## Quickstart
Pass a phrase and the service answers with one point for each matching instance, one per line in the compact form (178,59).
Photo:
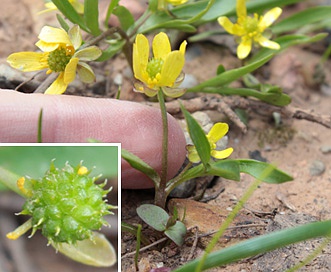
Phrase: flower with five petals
(163,71)
(60,54)
(250,29)
(215,134)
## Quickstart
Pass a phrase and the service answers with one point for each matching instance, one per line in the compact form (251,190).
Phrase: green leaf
(225,8)
(176,233)
(198,137)
(229,169)
(62,22)
(230,75)
(95,252)
(277,98)
(112,49)
(301,19)
(124,16)
(91,16)
(260,245)
(112,5)
(140,165)
(257,168)
(154,216)
(70,13)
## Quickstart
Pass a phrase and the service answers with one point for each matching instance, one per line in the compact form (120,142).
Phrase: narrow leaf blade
(198,137)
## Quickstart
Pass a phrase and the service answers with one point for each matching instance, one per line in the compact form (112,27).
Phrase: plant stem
(160,191)
(178,179)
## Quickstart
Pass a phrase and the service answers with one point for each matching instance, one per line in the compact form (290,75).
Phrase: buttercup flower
(217,132)
(78,6)
(250,29)
(163,71)
(59,55)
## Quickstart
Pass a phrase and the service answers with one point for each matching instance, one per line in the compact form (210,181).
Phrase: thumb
(72,119)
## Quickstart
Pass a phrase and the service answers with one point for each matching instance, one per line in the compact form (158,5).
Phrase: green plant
(161,74)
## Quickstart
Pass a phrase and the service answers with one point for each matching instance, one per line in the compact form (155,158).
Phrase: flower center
(154,67)
(59,58)
(251,25)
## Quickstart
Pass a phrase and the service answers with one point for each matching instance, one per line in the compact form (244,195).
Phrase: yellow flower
(59,55)
(217,132)
(78,6)
(163,71)
(162,4)
(250,29)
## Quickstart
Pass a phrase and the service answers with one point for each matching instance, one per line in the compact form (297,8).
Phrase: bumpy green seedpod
(65,204)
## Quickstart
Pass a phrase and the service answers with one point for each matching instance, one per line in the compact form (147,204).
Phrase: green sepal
(96,251)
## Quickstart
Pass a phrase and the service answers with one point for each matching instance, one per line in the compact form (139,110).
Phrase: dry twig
(226,105)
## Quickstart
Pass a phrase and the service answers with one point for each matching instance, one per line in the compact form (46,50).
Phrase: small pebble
(118,79)
(325,149)
(316,168)
(189,81)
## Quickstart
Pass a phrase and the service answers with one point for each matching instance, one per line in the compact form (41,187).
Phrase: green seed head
(66,204)
(154,67)
(58,59)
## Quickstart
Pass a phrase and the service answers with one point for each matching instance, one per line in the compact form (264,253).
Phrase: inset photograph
(59,207)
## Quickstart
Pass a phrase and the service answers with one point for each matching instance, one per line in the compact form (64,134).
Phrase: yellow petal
(140,56)
(49,7)
(226,24)
(192,154)
(58,86)
(176,2)
(270,17)
(171,68)
(161,46)
(85,72)
(70,71)
(54,35)
(88,53)
(263,41)
(241,9)
(28,61)
(182,47)
(47,47)
(217,132)
(75,36)
(244,48)
(221,154)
